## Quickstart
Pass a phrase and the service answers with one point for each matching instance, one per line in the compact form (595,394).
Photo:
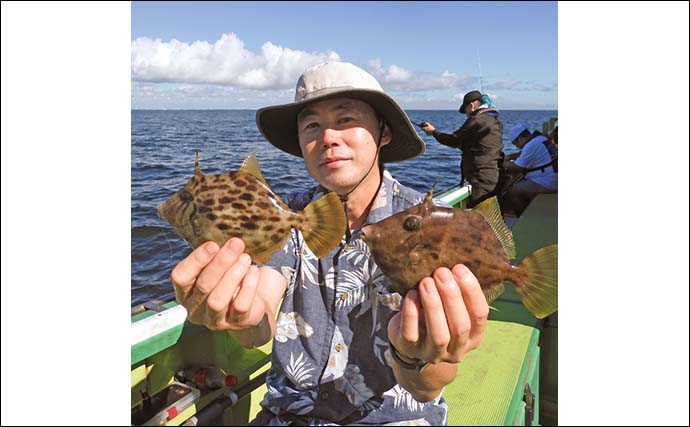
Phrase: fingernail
(430,288)
(245,260)
(444,276)
(235,246)
(210,249)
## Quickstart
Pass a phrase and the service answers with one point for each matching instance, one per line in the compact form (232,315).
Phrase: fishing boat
(186,374)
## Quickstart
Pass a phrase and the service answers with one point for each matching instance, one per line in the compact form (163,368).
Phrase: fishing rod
(479,63)
(420,124)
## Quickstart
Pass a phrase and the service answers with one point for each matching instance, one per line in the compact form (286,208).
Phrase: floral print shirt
(330,363)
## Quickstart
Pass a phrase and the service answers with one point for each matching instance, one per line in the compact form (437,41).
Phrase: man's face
(338,141)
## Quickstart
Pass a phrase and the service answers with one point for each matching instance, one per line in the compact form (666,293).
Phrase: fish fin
(493,291)
(539,292)
(325,225)
(197,169)
(251,166)
(491,211)
(263,256)
(430,194)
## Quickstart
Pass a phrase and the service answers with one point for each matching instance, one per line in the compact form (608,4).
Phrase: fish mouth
(368,234)
(159,210)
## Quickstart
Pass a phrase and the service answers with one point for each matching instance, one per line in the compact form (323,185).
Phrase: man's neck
(359,201)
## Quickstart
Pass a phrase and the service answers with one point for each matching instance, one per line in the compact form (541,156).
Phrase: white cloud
(226,62)
(395,78)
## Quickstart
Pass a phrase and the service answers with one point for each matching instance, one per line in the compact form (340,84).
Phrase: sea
(164,143)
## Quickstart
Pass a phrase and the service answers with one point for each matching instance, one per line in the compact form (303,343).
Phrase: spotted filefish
(410,245)
(241,204)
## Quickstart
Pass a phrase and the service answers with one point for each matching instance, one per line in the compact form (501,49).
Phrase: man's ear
(387,135)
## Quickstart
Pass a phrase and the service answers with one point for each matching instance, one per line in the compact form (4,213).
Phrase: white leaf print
(290,326)
(402,398)
(337,360)
(308,269)
(381,199)
(288,274)
(353,386)
(298,371)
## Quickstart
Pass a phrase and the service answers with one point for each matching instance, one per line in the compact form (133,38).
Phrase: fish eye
(186,196)
(412,223)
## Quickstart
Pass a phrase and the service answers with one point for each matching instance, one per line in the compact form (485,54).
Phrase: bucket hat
(516,130)
(278,124)
(471,96)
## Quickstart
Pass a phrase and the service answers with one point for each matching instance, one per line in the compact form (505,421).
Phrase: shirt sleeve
(527,156)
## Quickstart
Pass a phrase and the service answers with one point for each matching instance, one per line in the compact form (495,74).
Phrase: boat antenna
(479,63)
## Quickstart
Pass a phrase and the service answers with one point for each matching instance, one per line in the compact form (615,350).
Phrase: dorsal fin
(197,169)
(428,200)
(251,166)
(491,211)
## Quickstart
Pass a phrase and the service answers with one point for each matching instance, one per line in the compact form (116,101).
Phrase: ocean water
(163,147)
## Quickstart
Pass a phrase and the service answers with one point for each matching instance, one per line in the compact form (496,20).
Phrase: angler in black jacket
(481,141)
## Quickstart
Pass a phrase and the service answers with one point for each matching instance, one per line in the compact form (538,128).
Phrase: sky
(427,55)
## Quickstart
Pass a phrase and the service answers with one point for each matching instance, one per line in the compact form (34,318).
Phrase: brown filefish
(241,204)
(410,245)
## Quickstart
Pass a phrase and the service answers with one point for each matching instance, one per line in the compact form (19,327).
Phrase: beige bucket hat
(278,123)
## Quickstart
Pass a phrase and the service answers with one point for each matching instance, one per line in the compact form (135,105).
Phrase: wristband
(418,364)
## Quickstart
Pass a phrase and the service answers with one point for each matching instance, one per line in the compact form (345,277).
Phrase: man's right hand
(428,128)
(217,286)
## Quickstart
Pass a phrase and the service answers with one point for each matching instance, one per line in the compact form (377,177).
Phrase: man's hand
(443,320)
(428,128)
(218,286)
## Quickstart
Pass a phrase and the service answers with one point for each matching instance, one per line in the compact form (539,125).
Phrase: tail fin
(326,222)
(539,292)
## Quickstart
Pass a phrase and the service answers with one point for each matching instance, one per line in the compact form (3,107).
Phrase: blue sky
(426,54)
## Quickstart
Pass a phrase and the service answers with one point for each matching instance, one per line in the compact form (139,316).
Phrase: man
(536,162)
(480,140)
(346,348)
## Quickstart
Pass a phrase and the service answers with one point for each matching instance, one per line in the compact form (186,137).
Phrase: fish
(241,204)
(411,244)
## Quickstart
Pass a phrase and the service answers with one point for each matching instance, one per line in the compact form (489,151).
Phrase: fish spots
(247,196)
(226,200)
(476,237)
(204,209)
(262,205)
(235,191)
(251,187)
(249,225)
(223,226)
(274,218)
(256,218)
(211,216)
(275,238)
(268,227)
(434,255)
(240,183)
(238,205)
(209,202)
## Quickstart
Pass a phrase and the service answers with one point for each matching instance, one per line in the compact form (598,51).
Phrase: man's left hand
(442,320)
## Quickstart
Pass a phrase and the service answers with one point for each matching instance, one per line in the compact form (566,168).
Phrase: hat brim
(278,124)
(475,96)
